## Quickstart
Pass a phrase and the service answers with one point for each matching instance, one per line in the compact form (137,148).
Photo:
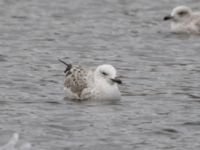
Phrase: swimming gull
(99,84)
(184,20)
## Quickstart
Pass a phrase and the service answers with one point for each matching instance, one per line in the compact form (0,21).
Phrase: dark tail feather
(63,62)
(69,66)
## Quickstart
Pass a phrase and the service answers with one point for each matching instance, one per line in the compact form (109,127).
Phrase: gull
(99,84)
(184,20)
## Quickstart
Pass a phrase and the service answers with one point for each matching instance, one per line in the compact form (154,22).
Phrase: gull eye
(182,13)
(104,73)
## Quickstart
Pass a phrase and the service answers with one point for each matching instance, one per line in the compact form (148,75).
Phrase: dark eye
(105,74)
(182,13)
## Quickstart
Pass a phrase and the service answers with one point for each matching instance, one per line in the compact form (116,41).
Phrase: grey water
(160,105)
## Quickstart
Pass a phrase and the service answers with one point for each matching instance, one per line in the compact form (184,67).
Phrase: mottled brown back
(77,79)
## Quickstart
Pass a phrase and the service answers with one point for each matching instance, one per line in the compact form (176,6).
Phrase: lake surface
(160,105)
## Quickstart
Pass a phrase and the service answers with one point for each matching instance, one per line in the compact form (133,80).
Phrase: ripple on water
(193,123)
(2,58)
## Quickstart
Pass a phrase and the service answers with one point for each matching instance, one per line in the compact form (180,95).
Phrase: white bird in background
(83,83)
(12,144)
(184,20)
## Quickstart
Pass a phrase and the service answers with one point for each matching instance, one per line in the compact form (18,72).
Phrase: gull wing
(196,20)
(77,79)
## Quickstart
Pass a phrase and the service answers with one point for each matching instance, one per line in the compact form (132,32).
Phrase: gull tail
(69,66)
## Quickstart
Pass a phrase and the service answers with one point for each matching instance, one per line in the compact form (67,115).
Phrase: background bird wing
(197,21)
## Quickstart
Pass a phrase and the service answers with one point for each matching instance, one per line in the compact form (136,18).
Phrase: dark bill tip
(116,80)
(167,17)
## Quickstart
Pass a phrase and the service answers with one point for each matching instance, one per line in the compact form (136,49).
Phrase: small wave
(2,58)
(167,131)
(197,123)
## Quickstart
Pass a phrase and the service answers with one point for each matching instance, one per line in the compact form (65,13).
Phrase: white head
(179,14)
(107,73)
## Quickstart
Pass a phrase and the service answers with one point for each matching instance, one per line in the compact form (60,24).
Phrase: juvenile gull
(184,20)
(99,84)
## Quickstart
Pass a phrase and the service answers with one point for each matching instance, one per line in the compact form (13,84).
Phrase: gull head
(179,14)
(107,73)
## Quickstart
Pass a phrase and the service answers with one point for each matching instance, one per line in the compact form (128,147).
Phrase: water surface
(160,95)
